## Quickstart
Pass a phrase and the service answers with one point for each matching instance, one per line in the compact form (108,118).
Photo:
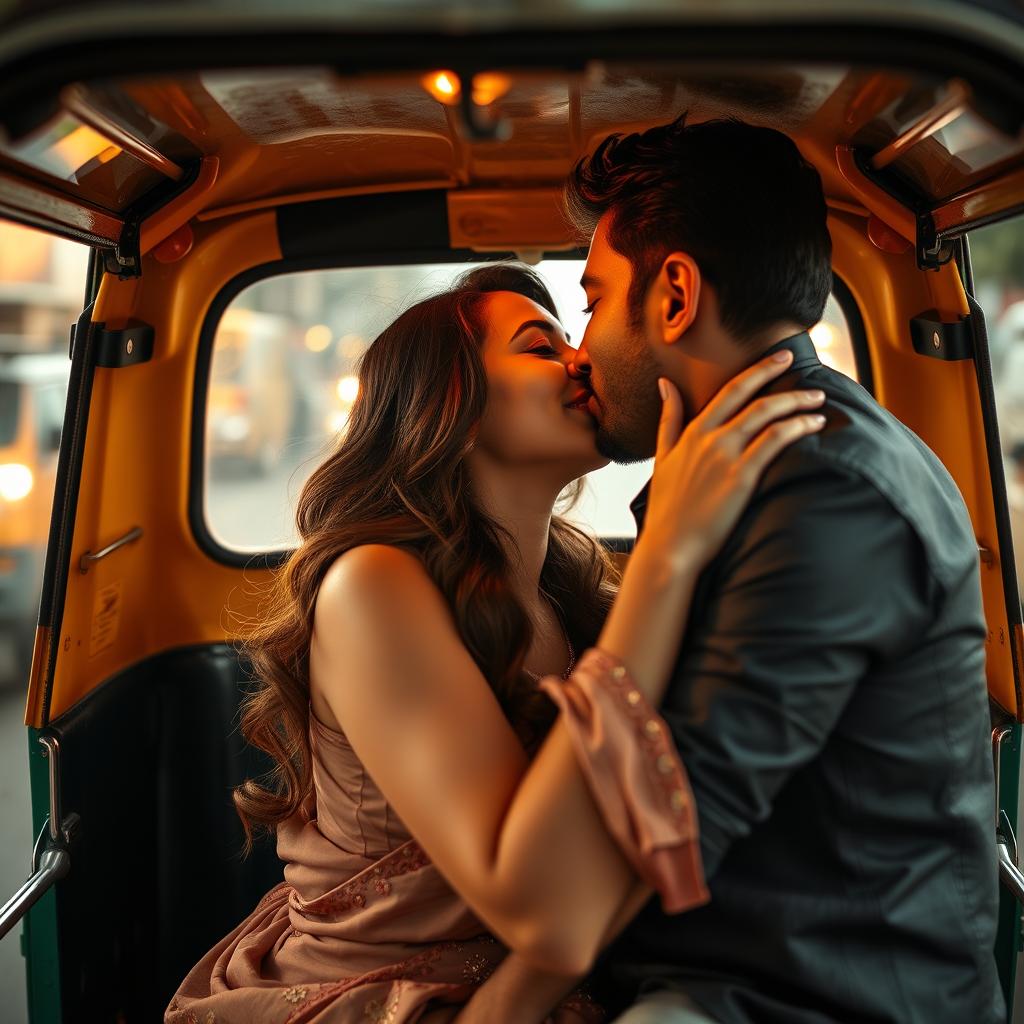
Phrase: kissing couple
(748,780)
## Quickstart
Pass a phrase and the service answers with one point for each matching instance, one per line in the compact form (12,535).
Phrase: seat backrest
(148,762)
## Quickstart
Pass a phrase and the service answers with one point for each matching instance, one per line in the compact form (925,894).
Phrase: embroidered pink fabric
(363,929)
(634,772)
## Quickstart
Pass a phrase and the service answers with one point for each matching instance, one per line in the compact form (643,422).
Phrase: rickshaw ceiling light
(488,87)
(15,481)
(444,86)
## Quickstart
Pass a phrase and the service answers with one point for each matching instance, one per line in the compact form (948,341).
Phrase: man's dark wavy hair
(740,200)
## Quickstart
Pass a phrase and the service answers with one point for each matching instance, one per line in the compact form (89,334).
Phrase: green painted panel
(1009,937)
(39,928)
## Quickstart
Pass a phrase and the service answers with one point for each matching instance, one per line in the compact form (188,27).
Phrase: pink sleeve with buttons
(626,753)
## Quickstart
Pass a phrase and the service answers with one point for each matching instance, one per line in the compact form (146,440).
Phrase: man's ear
(678,288)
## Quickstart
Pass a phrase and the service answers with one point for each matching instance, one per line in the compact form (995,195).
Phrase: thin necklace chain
(565,636)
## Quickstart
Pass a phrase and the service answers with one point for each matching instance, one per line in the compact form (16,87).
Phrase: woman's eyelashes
(590,309)
(541,350)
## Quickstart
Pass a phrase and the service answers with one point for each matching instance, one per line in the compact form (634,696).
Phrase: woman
(437,802)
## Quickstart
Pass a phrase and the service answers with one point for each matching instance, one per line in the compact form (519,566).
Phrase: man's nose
(579,365)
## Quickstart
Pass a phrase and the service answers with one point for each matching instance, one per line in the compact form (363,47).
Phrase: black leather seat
(148,762)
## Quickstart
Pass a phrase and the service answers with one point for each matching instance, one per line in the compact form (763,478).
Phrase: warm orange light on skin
(444,86)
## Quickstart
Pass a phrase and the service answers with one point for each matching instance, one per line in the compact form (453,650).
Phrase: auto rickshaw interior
(193,186)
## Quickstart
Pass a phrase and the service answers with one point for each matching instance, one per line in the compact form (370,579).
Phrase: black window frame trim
(273,558)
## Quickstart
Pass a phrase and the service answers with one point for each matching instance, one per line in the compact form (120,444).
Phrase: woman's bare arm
(520,993)
(525,844)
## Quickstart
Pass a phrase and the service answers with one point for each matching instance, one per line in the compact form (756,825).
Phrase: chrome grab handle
(999,733)
(89,557)
(51,858)
(54,864)
(1009,874)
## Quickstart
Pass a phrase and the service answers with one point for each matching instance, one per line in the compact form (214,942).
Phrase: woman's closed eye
(544,350)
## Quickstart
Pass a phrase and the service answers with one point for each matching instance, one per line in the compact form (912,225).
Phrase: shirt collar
(804,356)
(804,352)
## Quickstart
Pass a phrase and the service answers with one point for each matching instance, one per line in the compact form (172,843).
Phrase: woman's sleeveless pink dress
(363,929)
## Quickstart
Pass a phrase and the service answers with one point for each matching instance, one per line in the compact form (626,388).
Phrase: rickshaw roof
(257,104)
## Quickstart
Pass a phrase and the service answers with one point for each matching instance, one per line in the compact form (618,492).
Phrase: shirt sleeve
(624,749)
(821,578)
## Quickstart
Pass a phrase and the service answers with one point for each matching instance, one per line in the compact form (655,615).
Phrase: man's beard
(612,449)
(636,409)
(633,414)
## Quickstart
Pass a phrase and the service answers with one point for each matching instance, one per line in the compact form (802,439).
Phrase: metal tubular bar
(999,733)
(90,557)
(53,866)
(76,102)
(51,751)
(946,110)
(1009,874)
(51,860)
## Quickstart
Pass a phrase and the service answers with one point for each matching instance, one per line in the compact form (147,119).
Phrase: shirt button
(665,764)
(677,799)
(653,727)
(619,672)
(633,697)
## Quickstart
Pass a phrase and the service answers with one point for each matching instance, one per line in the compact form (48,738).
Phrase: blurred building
(42,285)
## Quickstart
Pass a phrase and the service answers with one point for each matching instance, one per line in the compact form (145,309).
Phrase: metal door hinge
(932,252)
(125,259)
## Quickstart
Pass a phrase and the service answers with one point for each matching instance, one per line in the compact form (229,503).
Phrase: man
(829,703)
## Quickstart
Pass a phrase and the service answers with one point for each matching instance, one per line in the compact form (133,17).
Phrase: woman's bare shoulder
(367,568)
(378,584)
(384,638)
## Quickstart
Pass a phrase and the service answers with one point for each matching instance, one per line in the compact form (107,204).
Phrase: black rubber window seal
(273,558)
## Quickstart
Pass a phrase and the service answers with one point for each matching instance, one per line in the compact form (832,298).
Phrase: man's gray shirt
(830,707)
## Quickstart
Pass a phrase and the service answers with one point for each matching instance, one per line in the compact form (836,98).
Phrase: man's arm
(821,578)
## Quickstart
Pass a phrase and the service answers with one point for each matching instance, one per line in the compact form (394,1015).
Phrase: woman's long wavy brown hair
(398,476)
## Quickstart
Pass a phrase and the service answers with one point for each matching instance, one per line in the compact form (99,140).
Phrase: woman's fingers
(734,395)
(670,426)
(752,420)
(777,437)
